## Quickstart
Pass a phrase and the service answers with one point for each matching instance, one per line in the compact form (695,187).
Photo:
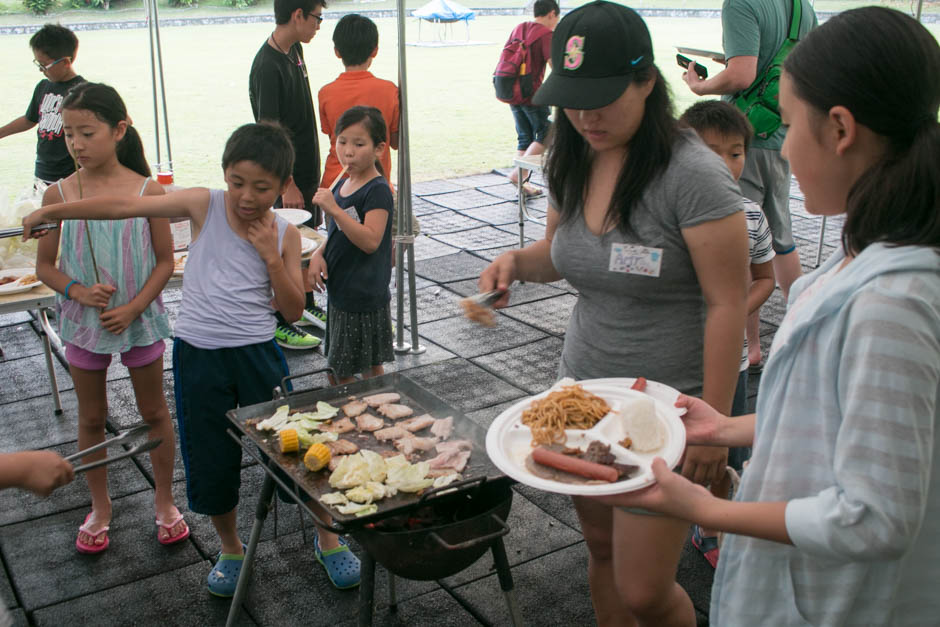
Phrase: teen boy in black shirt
(279,90)
(54,48)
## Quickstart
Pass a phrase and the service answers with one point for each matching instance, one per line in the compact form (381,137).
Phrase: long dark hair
(569,160)
(104,101)
(883,66)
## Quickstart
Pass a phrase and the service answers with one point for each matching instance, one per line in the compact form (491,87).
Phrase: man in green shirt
(752,32)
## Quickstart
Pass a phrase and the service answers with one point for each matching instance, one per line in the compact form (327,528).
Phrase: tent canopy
(444,11)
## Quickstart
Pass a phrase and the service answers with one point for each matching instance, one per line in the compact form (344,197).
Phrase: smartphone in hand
(700,69)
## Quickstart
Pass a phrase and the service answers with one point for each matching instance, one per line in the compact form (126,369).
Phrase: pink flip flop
(169,539)
(91,549)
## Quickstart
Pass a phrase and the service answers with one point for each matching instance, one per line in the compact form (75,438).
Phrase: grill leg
(392,597)
(366,589)
(261,512)
(505,580)
(47,351)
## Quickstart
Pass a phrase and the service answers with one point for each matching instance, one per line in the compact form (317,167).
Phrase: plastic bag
(15,253)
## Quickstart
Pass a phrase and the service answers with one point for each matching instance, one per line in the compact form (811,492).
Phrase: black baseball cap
(596,49)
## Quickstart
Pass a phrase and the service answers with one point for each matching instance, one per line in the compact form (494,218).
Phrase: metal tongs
(18,231)
(128,435)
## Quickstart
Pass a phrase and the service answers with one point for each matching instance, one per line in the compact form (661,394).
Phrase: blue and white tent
(444,13)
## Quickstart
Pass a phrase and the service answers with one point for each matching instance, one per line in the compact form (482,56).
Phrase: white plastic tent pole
(404,242)
(151,19)
(920,6)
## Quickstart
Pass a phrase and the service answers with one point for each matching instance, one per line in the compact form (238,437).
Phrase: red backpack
(513,79)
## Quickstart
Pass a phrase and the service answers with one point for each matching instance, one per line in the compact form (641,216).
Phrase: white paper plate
(294,216)
(307,245)
(179,262)
(16,287)
(509,442)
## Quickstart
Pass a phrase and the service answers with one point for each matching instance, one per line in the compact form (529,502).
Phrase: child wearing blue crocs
(224,354)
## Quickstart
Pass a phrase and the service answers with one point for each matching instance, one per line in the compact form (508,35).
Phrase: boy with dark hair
(356,43)
(54,49)
(224,354)
(727,132)
(279,90)
(531,120)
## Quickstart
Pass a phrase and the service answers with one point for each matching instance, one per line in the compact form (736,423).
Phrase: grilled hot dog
(574,465)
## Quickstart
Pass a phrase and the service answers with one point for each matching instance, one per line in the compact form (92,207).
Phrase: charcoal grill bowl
(444,550)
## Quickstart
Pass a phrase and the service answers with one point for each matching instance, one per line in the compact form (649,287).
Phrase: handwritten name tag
(351,212)
(635,259)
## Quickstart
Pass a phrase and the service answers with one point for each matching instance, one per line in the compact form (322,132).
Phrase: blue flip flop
(223,578)
(342,566)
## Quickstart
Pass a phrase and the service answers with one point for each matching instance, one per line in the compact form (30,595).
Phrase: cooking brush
(485,299)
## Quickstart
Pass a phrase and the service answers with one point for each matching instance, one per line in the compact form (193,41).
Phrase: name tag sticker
(635,259)
(352,213)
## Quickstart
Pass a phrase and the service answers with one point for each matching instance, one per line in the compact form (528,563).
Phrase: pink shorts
(136,357)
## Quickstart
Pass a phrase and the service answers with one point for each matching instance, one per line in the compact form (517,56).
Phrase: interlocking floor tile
(469,339)
(18,341)
(7,598)
(463,385)
(427,188)
(31,423)
(12,319)
(505,190)
(447,222)
(47,569)
(405,361)
(485,417)
(173,597)
(503,213)
(477,239)
(428,248)
(532,367)
(458,267)
(480,180)
(28,378)
(532,230)
(433,303)
(550,315)
(421,207)
(463,199)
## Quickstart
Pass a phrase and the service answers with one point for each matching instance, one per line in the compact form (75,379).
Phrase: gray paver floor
(466,223)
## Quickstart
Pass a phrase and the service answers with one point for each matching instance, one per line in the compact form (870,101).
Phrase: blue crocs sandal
(223,578)
(342,566)
(706,545)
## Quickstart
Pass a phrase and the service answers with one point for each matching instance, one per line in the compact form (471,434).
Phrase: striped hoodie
(845,434)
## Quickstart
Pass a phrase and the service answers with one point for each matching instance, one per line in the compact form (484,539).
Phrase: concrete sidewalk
(465,223)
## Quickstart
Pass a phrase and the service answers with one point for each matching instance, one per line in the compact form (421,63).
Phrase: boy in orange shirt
(356,42)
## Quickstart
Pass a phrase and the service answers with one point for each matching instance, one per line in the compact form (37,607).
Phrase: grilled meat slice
(342,447)
(451,446)
(412,446)
(417,423)
(393,411)
(354,408)
(343,425)
(443,427)
(390,433)
(368,422)
(454,460)
(381,399)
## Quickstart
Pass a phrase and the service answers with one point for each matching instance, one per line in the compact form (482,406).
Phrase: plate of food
(592,437)
(179,263)
(307,245)
(16,280)
(294,216)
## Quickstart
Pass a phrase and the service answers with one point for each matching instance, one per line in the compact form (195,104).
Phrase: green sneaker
(313,316)
(289,336)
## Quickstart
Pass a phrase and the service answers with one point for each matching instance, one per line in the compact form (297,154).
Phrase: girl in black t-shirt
(354,266)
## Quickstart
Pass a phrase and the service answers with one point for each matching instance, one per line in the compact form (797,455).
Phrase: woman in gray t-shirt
(646,223)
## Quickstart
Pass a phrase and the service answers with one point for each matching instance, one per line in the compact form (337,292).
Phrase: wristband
(71,283)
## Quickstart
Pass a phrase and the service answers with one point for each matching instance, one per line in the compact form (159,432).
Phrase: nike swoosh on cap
(637,60)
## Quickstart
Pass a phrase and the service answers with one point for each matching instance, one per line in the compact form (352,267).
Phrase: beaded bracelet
(71,283)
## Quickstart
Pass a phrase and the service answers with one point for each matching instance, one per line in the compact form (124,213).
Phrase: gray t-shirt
(757,28)
(630,323)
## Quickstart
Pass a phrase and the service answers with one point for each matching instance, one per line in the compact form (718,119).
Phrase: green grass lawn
(457,126)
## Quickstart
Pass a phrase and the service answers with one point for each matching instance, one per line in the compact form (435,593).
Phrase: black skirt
(357,341)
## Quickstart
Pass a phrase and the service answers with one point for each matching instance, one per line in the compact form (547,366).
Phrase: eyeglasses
(45,68)
(319,18)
